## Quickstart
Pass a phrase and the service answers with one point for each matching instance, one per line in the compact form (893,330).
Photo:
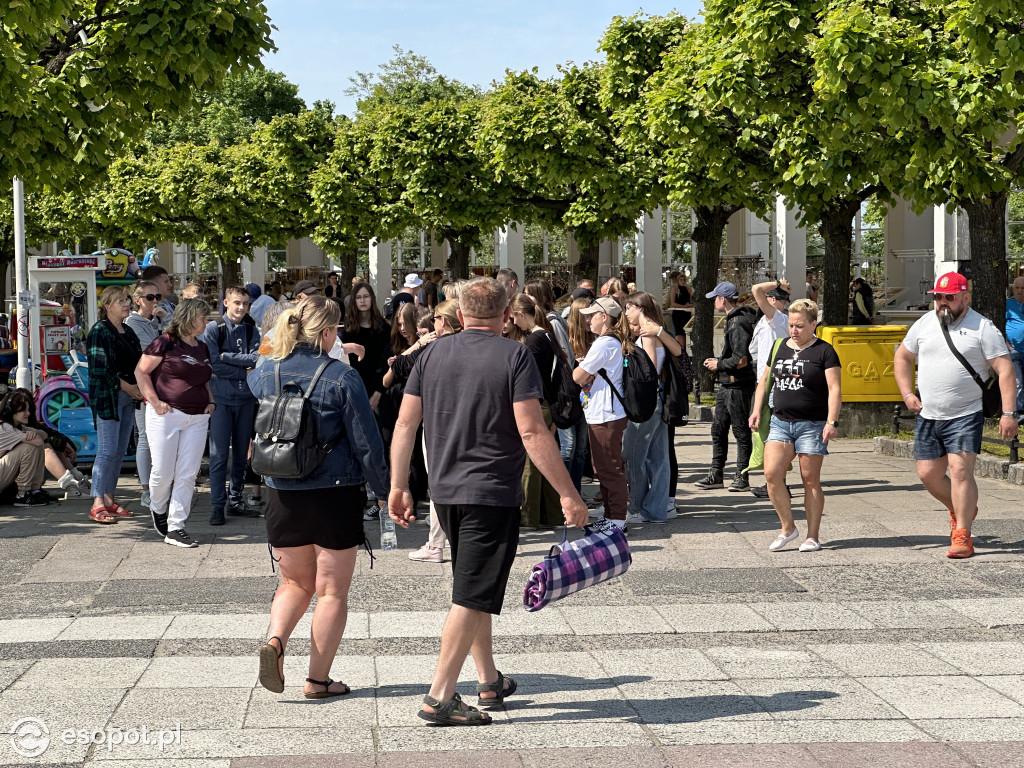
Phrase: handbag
(991,397)
(602,553)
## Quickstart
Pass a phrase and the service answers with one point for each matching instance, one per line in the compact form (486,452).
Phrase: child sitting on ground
(22,453)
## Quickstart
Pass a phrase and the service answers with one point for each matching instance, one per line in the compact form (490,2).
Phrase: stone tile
(622,620)
(492,758)
(570,705)
(1001,658)
(252,626)
(882,581)
(887,756)
(883,659)
(210,672)
(356,671)
(991,612)
(963,729)
(1009,685)
(80,569)
(502,737)
(1008,754)
(740,756)
(12,670)
(117,628)
(407,624)
(414,672)
(291,709)
(516,622)
(646,665)
(194,708)
(594,757)
(810,616)
(305,761)
(32,630)
(743,662)
(683,702)
(714,618)
(922,698)
(788,732)
(817,699)
(225,763)
(907,614)
(546,672)
(59,710)
(711,580)
(83,674)
(256,743)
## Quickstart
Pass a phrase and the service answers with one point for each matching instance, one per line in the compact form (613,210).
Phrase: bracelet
(661,330)
(907,395)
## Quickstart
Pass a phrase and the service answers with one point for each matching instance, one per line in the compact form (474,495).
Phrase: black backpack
(678,375)
(286,444)
(639,396)
(563,396)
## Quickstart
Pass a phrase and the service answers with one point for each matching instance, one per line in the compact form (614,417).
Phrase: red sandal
(118,511)
(102,515)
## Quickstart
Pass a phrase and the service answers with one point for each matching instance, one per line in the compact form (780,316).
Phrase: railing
(1014,445)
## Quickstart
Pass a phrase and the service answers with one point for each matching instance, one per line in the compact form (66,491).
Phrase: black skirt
(331,518)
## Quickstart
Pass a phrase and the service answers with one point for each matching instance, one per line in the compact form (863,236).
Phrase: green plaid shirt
(104,383)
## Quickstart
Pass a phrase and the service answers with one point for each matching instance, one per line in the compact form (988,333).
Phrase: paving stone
(258,742)
(47,599)
(883,659)
(724,580)
(1011,686)
(981,658)
(407,623)
(32,630)
(810,616)
(659,702)
(923,698)
(981,729)
(991,612)
(516,622)
(492,758)
(554,671)
(212,672)
(643,665)
(12,670)
(742,662)
(508,736)
(83,674)
(305,761)
(249,626)
(915,582)
(714,618)
(193,708)
(1007,754)
(788,732)
(625,620)
(60,710)
(908,614)
(887,756)
(807,698)
(117,628)
(741,756)
(570,705)
(291,709)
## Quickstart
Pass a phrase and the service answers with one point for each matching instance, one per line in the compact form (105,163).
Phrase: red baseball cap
(951,282)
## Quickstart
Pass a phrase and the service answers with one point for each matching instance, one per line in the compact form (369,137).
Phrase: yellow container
(866,353)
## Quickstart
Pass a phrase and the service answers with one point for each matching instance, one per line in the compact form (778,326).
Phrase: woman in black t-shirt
(541,505)
(366,326)
(805,382)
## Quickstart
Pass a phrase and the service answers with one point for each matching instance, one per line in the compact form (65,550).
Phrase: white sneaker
(634,518)
(146,499)
(621,524)
(782,540)
(671,514)
(596,512)
(428,554)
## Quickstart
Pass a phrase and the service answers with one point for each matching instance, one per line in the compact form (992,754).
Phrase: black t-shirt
(801,390)
(469,382)
(374,365)
(126,356)
(540,344)
(681,316)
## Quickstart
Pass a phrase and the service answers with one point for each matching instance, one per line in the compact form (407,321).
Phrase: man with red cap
(947,436)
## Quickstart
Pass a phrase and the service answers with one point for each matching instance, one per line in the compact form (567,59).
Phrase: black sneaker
(32,499)
(711,481)
(760,491)
(217,517)
(239,510)
(159,521)
(180,538)
(372,514)
(739,483)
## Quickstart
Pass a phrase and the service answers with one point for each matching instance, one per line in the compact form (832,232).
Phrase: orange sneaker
(961,545)
(952,519)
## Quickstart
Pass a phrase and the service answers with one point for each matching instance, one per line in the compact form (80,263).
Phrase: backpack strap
(612,386)
(963,361)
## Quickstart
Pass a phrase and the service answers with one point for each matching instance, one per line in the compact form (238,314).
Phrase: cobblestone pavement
(875,651)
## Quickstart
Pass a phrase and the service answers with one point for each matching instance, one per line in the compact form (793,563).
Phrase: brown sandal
(327,692)
(102,515)
(270,674)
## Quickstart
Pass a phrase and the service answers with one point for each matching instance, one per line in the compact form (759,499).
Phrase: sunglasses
(945,296)
(152,296)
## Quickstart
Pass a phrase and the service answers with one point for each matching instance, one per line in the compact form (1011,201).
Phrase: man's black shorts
(484,542)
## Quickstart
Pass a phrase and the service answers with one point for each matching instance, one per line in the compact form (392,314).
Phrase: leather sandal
(498,687)
(118,511)
(102,515)
(327,692)
(270,674)
(450,712)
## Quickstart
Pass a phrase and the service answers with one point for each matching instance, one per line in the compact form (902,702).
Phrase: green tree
(82,79)
(949,75)
(709,158)
(407,79)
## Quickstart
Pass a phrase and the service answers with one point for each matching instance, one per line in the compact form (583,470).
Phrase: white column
(649,259)
(606,254)
(380,270)
(25,305)
(948,239)
(178,260)
(791,241)
(511,251)
(255,269)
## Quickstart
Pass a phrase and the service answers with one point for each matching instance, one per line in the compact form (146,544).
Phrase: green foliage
(81,79)
(406,80)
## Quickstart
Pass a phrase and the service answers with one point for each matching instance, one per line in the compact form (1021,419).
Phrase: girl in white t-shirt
(603,412)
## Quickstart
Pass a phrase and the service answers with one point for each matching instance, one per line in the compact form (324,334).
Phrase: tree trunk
(989,270)
(707,234)
(229,271)
(837,230)
(458,262)
(348,261)
(586,267)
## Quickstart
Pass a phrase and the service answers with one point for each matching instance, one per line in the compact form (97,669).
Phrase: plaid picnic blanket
(601,554)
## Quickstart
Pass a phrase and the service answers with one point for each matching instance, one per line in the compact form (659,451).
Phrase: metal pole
(24,377)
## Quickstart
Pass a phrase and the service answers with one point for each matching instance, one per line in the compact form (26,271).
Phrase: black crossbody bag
(991,398)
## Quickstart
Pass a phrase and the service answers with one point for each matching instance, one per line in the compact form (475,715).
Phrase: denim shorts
(804,435)
(934,438)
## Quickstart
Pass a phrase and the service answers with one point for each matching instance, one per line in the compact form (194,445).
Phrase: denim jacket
(231,361)
(339,401)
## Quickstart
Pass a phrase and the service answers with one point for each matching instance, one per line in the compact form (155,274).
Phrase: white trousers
(176,442)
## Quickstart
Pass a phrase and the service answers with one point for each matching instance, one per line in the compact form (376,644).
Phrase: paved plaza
(876,651)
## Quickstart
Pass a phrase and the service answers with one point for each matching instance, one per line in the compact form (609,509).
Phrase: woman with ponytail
(315,523)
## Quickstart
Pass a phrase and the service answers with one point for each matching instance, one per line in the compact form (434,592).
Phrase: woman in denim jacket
(315,523)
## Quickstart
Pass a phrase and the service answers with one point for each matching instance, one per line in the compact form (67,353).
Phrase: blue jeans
(933,438)
(572,443)
(645,451)
(112,438)
(1018,366)
(804,435)
(230,429)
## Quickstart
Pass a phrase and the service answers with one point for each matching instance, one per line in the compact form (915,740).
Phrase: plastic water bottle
(388,537)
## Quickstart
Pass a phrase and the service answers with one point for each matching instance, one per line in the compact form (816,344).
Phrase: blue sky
(322,43)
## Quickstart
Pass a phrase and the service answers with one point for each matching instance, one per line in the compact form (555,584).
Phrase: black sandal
(447,713)
(498,686)
(327,692)
(271,677)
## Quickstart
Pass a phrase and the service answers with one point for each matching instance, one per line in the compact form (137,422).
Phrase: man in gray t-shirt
(949,423)
(479,397)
